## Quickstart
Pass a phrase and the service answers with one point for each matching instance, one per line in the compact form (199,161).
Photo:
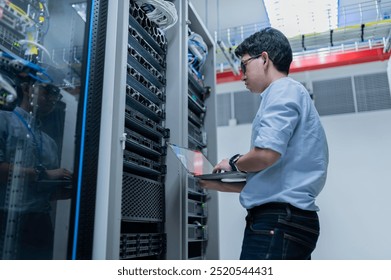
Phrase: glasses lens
(243,67)
(243,63)
(53,97)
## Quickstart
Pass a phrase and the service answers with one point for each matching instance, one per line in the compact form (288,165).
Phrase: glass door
(43,56)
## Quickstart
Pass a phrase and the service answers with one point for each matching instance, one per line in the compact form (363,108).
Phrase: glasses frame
(243,63)
(48,95)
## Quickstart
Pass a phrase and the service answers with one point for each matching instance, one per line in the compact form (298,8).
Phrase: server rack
(192,125)
(142,233)
(152,80)
(202,231)
(197,214)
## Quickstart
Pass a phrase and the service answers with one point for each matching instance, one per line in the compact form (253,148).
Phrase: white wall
(356,201)
(231,140)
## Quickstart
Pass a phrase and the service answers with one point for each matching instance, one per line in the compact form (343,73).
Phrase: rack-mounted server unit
(144,159)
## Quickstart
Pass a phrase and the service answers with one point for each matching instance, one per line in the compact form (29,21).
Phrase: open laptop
(200,167)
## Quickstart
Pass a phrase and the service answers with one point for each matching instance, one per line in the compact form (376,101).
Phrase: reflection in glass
(40,76)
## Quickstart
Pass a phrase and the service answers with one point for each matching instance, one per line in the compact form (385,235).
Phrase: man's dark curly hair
(273,42)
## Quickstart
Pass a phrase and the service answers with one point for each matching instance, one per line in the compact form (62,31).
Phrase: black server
(198,92)
(144,168)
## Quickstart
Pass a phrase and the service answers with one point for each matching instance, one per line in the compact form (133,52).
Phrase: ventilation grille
(223,109)
(355,94)
(142,199)
(352,94)
(334,96)
(142,245)
(246,106)
(373,92)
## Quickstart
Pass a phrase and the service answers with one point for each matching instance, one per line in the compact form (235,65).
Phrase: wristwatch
(233,160)
(40,172)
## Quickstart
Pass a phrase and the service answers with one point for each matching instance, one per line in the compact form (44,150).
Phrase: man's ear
(264,56)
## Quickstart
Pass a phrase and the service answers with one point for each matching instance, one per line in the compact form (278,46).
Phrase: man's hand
(222,166)
(59,174)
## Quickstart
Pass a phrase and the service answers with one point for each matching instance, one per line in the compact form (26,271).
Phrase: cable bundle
(197,53)
(163,13)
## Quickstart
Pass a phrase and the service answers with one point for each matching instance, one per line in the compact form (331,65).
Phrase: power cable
(163,13)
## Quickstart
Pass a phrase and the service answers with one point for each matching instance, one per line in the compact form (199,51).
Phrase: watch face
(40,171)
(40,168)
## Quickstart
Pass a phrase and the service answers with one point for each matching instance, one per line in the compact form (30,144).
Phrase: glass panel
(40,77)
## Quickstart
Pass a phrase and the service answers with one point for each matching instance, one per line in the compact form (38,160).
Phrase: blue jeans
(279,231)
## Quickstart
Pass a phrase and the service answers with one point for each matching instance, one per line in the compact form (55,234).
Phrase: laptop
(200,167)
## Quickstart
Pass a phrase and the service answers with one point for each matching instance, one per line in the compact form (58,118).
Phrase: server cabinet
(191,211)
(151,212)
(143,198)
(129,200)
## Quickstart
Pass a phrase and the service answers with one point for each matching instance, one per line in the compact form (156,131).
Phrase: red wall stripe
(315,62)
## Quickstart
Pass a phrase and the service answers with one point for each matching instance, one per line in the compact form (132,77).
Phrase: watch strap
(40,172)
(233,160)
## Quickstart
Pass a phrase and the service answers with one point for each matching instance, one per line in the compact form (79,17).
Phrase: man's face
(253,73)
(47,99)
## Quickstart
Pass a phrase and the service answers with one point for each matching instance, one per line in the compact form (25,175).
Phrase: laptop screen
(194,161)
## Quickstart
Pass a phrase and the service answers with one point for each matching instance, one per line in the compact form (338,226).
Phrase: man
(287,163)
(28,156)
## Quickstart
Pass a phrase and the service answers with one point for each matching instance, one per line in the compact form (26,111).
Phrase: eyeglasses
(53,97)
(49,92)
(244,62)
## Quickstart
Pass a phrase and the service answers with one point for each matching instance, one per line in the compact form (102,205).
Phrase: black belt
(278,207)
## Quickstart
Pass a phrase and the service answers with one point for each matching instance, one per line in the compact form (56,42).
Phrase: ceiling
(230,21)
(222,15)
